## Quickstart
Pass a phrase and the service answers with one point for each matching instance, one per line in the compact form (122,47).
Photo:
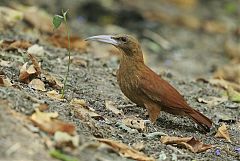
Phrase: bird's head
(127,44)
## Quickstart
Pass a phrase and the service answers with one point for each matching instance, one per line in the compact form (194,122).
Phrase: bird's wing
(161,91)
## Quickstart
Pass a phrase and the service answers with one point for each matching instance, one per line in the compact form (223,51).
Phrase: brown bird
(144,87)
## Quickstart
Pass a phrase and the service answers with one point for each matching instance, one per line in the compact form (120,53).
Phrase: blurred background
(181,38)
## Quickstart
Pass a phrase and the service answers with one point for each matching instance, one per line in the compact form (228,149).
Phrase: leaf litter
(125,150)
(210,27)
(5,81)
(111,107)
(49,123)
(223,133)
(190,143)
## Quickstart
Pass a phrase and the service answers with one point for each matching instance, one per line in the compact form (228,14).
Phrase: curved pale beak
(103,38)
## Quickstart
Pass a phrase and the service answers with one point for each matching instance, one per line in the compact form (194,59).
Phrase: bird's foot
(149,125)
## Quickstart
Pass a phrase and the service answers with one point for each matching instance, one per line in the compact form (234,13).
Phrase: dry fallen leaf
(77,43)
(36,65)
(24,75)
(77,60)
(230,72)
(188,142)
(42,106)
(126,151)
(110,106)
(138,145)
(214,27)
(174,139)
(48,122)
(34,70)
(135,123)
(52,81)
(8,45)
(212,101)
(223,133)
(37,84)
(82,112)
(79,102)
(5,81)
(63,139)
(224,84)
(54,95)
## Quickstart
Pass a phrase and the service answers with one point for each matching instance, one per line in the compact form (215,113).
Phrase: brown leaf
(77,43)
(42,107)
(212,101)
(223,133)
(35,64)
(5,81)
(126,151)
(26,74)
(79,103)
(214,27)
(54,95)
(174,139)
(77,61)
(8,45)
(230,72)
(188,142)
(48,122)
(52,81)
(83,112)
(135,123)
(110,106)
(224,84)
(63,139)
(31,70)
(196,146)
(138,146)
(37,84)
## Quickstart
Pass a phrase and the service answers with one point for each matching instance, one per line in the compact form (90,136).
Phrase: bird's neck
(131,62)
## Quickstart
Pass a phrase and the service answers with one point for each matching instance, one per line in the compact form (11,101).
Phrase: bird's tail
(204,122)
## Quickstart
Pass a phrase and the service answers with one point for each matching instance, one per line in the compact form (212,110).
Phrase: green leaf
(57,20)
(61,156)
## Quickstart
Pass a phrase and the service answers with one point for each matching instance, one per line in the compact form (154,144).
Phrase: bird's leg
(153,111)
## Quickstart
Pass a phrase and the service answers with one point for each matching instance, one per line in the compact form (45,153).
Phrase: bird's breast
(128,81)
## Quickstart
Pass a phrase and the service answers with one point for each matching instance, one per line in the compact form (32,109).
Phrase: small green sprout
(57,21)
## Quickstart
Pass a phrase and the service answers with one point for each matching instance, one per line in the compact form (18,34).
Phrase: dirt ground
(192,55)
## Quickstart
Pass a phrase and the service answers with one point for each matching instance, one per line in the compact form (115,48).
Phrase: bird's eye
(123,39)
